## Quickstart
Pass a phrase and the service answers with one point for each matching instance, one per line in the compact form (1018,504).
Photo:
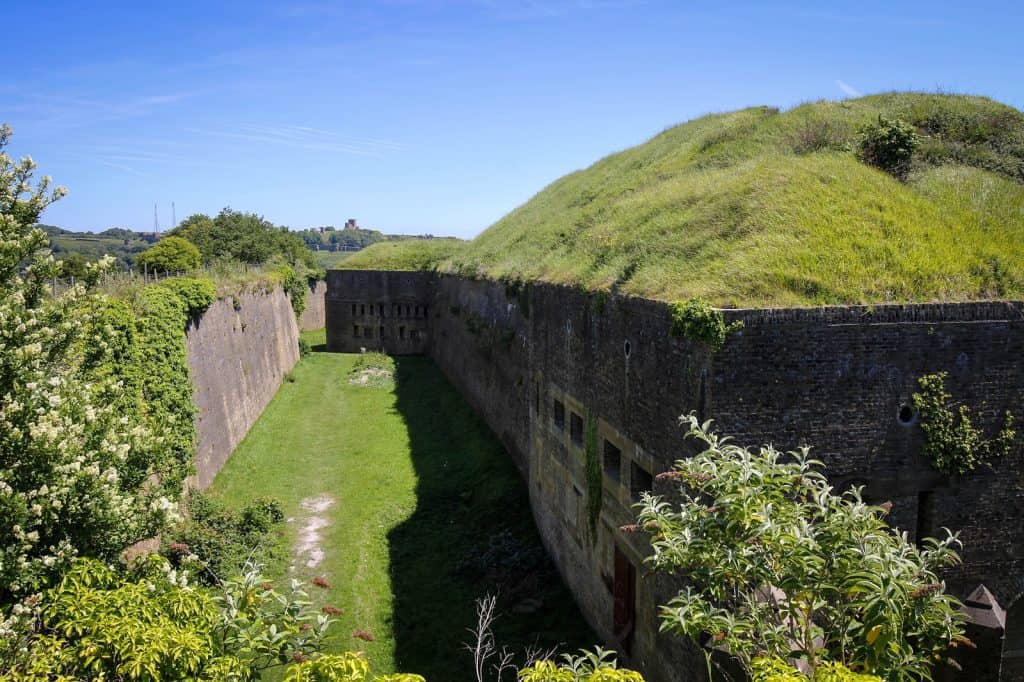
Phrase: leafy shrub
(952,442)
(775,670)
(346,667)
(304,347)
(85,467)
(888,145)
(597,666)
(223,540)
(698,321)
(150,624)
(779,567)
(295,286)
(195,294)
(170,254)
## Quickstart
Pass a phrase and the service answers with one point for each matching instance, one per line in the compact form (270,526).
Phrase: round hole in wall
(907,414)
(627,348)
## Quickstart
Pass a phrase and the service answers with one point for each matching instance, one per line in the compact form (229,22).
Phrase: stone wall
(543,365)
(314,316)
(239,351)
(378,312)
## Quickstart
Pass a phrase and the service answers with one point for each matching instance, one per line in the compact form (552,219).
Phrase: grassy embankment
(419,487)
(761,207)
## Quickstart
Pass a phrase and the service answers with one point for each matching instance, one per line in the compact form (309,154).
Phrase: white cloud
(848,89)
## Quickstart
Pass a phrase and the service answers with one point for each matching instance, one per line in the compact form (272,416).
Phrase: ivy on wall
(593,474)
(952,442)
(698,321)
(147,352)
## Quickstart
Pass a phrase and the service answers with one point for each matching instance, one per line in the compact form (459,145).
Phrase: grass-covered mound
(761,207)
(407,254)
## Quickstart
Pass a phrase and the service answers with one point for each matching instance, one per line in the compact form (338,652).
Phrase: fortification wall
(546,365)
(238,353)
(315,314)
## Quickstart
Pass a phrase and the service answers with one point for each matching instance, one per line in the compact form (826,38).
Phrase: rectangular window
(640,481)
(353,310)
(576,428)
(355,330)
(624,609)
(558,414)
(401,332)
(612,462)
(362,308)
(371,309)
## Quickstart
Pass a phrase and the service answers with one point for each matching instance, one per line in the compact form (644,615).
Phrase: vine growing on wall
(593,474)
(952,442)
(696,320)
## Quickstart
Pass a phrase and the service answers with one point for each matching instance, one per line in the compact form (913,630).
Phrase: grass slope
(420,485)
(761,207)
(408,254)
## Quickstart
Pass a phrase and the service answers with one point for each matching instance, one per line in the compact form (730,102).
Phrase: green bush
(170,254)
(304,348)
(698,321)
(888,145)
(224,539)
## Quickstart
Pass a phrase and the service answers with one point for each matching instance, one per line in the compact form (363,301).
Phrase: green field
(419,486)
(762,207)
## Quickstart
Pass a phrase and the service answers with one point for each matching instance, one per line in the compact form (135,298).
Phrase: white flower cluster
(77,463)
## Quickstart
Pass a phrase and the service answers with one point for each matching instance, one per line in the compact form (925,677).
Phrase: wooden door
(624,591)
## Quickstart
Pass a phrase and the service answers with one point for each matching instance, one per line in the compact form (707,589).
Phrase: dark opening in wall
(407,313)
(371,309)
(640,480)
(355,331)
(925,515)
(612,462)
(353,310)
(382,331)
(624,594)
(627,349)
(401,332)
(558,414)
(362,308)
(907,414)
(576,428)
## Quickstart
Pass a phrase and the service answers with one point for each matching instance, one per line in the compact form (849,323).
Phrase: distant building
(350,224)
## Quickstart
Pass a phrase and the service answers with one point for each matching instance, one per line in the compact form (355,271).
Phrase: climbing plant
(696,320)
(952,442)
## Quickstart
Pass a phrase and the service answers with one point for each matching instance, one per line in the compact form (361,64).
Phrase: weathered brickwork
(375,311)
(545,365)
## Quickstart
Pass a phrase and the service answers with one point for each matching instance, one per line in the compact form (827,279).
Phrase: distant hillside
(758,207)
(120,243)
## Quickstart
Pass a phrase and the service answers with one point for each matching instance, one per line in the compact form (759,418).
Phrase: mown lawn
(421,491)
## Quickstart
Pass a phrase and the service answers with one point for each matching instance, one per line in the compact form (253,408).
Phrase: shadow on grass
(472,533)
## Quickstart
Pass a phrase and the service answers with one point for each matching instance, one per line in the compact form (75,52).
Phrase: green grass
(760,207)
(408,254)
(419,485)
(331,260)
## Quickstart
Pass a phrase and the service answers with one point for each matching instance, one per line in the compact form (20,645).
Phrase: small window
(612,462)
(382,331)
(558,414)
(362,308)
(371,309)
(401,332)
(355,330)
(576,428)
(640,481)
(407,311)
(353,310)
(425,311)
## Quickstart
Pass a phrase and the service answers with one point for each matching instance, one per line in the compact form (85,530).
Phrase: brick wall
(834,378)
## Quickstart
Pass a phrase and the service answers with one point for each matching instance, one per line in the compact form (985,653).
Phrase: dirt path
(308,550)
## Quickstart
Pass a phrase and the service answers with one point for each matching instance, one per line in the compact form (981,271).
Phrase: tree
(79,463)
(244,237)
(780,567)
(170,254)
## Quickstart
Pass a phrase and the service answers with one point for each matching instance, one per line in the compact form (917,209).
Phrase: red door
(624,591)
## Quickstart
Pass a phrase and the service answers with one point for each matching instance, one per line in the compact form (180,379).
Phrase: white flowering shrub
(81,472)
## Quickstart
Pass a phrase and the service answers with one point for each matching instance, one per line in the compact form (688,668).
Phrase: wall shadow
(472,533)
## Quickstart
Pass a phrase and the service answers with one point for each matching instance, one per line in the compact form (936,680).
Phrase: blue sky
(432,115)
